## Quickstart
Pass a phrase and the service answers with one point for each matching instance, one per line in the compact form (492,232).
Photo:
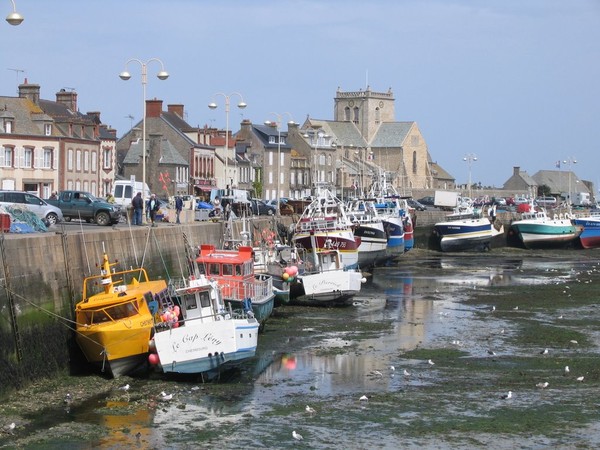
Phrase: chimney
(516,170)
(176,109)
(153,108)
(30,91)
(95,115)
(69,99)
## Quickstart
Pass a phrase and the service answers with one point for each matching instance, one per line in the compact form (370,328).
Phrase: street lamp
(240,105)
(278,125)
(470,158)
(162,75)
(14,18)
(570,161)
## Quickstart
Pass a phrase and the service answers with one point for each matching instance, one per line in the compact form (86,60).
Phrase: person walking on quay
(178,207)
(153,207)
(138,207)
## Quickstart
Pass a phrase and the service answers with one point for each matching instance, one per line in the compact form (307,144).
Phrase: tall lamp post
(470,158)
(278,125)
(14,18)
(162,75)
(240,105)
(570,161)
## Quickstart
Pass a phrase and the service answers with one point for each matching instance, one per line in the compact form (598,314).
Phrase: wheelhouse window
(227,269)
(213,269)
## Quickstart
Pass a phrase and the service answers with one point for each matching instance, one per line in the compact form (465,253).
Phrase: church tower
(366,109)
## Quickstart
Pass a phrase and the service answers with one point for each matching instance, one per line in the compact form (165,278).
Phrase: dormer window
(271,139)
(282,140)
(8,126)
(47,129)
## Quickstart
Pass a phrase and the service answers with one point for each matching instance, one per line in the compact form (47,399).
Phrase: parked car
(32,202)
(429,200)
(416,204)
(85,206)
(546,202)
(260,208)
(520,200)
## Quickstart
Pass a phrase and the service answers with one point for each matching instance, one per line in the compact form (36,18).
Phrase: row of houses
(49,145)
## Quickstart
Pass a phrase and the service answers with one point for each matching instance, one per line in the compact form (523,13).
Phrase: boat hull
(465,235)
(590,236)
(554,234)
(394,230)
(200,347)
(115,349)
(341,240)
(334,287)
(373,244)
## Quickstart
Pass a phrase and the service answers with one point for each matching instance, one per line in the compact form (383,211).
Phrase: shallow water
(428,307)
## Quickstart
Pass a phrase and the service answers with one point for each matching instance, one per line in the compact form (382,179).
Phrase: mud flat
(484,321)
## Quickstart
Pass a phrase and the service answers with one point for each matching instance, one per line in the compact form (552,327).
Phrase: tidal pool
(433,342)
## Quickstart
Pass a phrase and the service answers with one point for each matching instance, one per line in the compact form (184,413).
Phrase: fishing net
(22,220)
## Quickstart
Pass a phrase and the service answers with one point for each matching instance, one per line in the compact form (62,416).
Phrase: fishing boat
(466,230)
(535,229)
(113,320)
(273,259)
(369,231)
(590,236)
(198,334)
(233,270)
(323,225)
(323,280)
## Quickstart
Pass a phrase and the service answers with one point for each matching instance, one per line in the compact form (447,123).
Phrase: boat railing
(260,288)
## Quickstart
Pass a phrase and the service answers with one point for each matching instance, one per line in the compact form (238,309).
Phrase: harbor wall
(41,279)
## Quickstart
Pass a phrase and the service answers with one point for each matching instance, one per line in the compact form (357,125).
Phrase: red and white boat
(324,225)
(233,270)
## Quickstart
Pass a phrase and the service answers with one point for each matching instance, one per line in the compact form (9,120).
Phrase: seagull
(543,385)
(9,428)
(297,436)
(124,388)
(544,352)
(560,317)
(506,396)
(68,399)
(310,410)
(406,373)
(516,308)
(491,352)
(580,378)
(377,373)
(566,370)
(364,398)
(493,308)
(430,362)
(573,341)
(392,368)
(165,397)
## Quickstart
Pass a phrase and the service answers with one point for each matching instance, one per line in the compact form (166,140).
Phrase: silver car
(33,203)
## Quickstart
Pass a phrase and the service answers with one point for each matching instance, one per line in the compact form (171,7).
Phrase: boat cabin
(200,300)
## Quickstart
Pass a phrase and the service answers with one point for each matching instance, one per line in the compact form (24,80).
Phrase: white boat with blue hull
(466,231)
(204,335)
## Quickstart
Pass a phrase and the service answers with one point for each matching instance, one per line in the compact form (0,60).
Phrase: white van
(125,190)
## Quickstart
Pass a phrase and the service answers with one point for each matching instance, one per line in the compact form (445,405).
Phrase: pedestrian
(178,207)
(54,196)
(138,208)
(153,207)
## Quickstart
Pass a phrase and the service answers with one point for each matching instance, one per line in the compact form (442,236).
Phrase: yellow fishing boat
(115,317)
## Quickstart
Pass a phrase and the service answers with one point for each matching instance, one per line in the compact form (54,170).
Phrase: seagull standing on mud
(297,436)
(364,398)
(543,385)
(506,396)
(566,371)
(406,373)
(310,410)
(544,352)
(431,363)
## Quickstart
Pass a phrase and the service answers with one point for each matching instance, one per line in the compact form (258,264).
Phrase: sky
(510,82)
